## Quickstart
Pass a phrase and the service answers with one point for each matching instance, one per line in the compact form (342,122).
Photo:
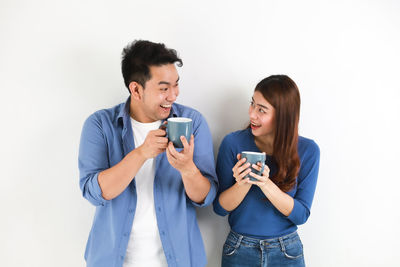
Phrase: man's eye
(164,89)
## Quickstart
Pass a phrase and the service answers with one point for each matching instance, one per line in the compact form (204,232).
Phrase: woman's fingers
(258,177)
(241,178)
(258,168)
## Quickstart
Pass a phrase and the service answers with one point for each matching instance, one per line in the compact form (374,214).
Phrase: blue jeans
(242,251)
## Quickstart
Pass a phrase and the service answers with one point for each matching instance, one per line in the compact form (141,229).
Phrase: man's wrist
(190,171)
(140,152)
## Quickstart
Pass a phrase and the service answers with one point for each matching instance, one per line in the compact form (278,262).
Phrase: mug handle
(164,127)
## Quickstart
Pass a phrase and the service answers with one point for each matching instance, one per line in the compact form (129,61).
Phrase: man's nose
(173,94)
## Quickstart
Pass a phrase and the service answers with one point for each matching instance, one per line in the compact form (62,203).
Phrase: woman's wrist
(266,187)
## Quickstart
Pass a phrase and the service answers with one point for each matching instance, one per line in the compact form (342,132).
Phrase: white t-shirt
(144,246)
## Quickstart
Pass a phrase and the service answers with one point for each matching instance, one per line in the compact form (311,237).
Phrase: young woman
(264,214)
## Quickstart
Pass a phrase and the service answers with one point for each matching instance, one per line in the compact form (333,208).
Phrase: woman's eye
(261,110)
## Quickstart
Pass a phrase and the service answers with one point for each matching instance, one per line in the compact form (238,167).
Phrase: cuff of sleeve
(97,194)
(218,209)
(296,216)
(210,195)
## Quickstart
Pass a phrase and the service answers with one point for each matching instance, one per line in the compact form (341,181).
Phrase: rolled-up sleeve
(93,158)
(203,157)
(307,182)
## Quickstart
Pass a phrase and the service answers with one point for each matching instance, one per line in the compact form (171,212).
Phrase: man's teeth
(166,106)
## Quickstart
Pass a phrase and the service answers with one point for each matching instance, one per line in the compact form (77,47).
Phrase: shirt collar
(124,113)
(173,113)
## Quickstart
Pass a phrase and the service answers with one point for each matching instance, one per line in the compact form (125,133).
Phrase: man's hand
(154,144)
(182,161)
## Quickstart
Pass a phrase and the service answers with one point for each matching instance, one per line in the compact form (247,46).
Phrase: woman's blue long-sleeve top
(256,216)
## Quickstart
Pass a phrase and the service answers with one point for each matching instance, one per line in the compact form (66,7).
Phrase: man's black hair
(139,55)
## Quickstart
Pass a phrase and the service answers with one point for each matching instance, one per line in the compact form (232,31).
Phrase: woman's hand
(262,180)
(231,198)
(281,200)
(240,170)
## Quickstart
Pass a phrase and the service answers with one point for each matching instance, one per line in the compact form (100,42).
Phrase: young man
(145,191)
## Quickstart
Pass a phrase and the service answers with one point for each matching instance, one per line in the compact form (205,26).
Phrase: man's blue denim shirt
(106,139)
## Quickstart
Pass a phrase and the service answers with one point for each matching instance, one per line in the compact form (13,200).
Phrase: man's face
(159,93)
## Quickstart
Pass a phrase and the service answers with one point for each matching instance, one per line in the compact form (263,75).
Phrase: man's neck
(136,113)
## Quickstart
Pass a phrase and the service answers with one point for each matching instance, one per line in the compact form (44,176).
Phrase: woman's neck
(265,144)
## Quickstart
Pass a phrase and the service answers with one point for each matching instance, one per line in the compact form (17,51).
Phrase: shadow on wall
(227,115)
(214,230)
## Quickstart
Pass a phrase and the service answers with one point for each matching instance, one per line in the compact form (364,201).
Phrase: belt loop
(240,237)
(282,244)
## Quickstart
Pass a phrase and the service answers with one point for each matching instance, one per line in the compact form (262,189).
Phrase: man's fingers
(184,143)
(192,141)
(159,132)
(170,158)
(161,140)
(172,150)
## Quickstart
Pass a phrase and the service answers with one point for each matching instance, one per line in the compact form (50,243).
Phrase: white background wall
(60,61)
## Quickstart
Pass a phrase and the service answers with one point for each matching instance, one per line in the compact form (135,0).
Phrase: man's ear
(136,90)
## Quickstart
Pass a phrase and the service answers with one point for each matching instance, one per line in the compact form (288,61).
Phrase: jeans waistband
(255,241)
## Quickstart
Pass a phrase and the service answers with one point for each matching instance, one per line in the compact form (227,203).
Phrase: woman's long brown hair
(282,93)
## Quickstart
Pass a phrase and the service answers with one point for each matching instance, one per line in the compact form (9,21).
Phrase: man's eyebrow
(167,83)
(259,104)
(163,82)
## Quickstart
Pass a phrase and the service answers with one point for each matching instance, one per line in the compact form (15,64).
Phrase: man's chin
(161,117)
(164,113)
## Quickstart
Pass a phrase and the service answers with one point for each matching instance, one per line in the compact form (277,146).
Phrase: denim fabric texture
(107,137)
(242,251)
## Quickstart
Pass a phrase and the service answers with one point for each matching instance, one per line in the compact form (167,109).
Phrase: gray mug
(253,158)
(177,127)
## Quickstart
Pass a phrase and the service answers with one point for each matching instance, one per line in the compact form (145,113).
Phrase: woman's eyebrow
(259,104)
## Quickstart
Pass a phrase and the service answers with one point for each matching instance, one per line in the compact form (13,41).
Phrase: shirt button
(130,210)
(122,257)
(159,209)
(162,232)
(126,234)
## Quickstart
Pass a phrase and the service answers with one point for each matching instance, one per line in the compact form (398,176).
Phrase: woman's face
(262,116)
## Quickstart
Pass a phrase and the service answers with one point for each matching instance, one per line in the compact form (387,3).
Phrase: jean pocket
(292,250)
(228,250)
(231,245)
